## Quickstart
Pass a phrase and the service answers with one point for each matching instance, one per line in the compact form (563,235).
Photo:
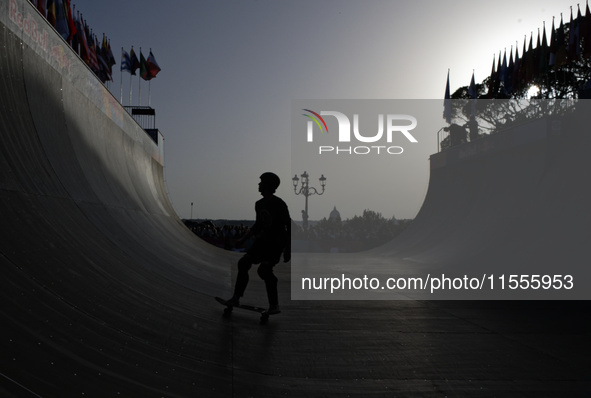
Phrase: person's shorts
(260,252)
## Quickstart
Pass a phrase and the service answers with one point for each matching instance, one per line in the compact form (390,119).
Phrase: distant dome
(334,214)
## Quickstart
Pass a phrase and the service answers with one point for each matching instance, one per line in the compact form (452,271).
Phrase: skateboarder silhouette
(271,232)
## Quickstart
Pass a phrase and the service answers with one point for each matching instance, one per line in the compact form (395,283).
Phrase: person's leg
(265,271)
(242,278)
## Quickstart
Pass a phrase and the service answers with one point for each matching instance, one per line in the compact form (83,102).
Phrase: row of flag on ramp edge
(569,44)
(97,55)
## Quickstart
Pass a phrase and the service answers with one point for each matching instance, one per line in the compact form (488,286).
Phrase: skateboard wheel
(264,318)
(227,311)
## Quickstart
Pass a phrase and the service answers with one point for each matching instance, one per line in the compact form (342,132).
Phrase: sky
(231,70)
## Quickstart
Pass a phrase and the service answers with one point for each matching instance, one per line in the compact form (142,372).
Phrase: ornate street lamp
(306,190)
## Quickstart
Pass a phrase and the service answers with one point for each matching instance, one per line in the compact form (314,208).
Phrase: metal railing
(145,116)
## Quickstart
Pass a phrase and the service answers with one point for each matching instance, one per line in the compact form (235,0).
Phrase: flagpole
(446,101)
(139,84)
(150,85)
(546,67)
(121,81)
(121,89)
(474,94)
(552,60)
(131,77)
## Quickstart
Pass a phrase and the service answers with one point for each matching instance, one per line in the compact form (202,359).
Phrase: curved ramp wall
(65,138)
(96,266)
(514,202)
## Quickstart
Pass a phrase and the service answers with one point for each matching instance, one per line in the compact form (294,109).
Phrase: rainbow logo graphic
(317,119)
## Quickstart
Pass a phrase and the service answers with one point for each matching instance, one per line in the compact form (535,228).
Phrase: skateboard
(228,310)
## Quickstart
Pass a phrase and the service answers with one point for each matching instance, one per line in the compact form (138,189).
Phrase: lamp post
(306,190)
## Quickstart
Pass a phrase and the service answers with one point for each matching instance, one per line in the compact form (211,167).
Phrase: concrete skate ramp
(104,293)
(87,227)
(80,179)
(514,202)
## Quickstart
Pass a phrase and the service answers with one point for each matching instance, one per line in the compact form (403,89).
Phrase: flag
(553,47)
(152,65)
(70,20)
(105,70)
(578,31)
(447,102)
(51,12)
(503,70)
(102,72)
(498,75)
(42,7)
(574,48)
(586,32)
(135,63)
(561,52)
(110,57)
(125,61)
(536,58)
(84,50)
(491,80)
(516,70)
(544,54)
(472,89)
(61,19)
(508,82)
(528,60)
(522,69)
(144,72)
(92,57)
(107,55)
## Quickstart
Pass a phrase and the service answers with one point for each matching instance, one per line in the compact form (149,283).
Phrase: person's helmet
(271,180)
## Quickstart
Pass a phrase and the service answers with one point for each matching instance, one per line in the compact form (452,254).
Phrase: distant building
(335,215)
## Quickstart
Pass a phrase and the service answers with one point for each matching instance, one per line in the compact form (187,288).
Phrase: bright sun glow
(533,91)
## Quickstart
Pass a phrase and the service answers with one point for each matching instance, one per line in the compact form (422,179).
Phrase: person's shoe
(233,302)
(274,309)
